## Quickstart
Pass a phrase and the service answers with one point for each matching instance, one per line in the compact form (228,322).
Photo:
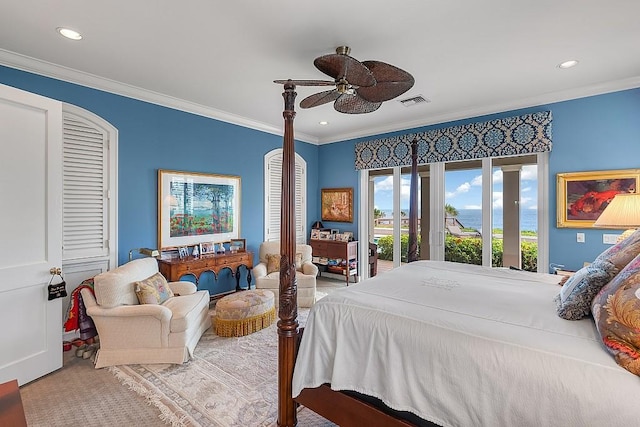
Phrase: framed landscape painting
(582,196)
(337,204)
(197,208)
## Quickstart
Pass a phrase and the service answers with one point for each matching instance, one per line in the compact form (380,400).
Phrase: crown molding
(59,72)
(548,98)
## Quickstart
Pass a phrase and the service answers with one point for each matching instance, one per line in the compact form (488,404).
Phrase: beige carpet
(230,382)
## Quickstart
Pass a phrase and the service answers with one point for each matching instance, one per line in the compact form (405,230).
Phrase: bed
(438,343)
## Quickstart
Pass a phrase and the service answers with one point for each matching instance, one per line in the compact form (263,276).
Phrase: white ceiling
(219,59)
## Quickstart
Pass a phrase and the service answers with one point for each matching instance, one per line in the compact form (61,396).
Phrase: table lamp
(144,251)
(622,213)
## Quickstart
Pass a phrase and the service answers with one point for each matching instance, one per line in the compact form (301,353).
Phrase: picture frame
(207,248)
(348,235)
(315,233)
(325,235)
(183,252)
(197,208)
(238,245)
(582,196)
(337,204)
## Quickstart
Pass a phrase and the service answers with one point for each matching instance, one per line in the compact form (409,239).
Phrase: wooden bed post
(288,310)
(412,254)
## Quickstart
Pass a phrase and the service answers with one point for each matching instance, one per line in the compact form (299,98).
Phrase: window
(272,191)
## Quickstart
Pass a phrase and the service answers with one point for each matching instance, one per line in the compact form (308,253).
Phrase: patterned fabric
(530,133)
(244,312)
(273,263)
(299,261)
(622,252)
(153,290)
(616,310)
(575,298)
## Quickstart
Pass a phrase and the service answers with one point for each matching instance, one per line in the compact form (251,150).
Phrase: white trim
(48,69)
(543,212)
(364,224)
(487,213)
(437,217)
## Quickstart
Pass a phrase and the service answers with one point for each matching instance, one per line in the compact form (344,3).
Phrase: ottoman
(244,312)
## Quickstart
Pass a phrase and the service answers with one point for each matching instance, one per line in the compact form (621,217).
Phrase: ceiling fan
(360,87)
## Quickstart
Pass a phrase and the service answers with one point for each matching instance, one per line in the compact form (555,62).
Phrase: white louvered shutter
(273,189)
(85,185)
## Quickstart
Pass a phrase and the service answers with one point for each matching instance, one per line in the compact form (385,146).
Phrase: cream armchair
(267,272)
(130,332)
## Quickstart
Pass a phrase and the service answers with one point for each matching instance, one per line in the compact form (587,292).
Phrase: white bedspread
(464,345)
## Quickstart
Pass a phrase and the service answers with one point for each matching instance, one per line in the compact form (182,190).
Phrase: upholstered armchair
(267,272)
(141,318)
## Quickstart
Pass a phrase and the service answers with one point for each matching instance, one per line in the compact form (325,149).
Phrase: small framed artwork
(207,248)
(183,252)
(582,196)
(238,245)
(348,235)
(325,235)
(343,237)
(337,204)
(315,233)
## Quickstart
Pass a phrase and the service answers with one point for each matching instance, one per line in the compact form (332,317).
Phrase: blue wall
(589,134)
(595,133)
(152,137)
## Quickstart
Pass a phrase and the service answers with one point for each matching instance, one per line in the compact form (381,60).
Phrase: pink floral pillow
(616,310)
(153,290)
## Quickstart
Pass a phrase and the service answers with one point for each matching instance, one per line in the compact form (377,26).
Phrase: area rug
(228,382)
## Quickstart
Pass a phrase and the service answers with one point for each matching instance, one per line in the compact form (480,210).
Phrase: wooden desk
(334,249)
(174,268)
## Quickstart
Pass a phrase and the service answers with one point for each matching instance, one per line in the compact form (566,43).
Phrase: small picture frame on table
(238,245)
(207,248)
(315,233)
(183,252)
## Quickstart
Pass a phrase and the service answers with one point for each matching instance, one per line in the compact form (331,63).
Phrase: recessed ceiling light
(568,64)
(69,33)
(323,123)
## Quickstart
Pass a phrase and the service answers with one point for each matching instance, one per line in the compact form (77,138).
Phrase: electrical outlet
(580,237)
(610,239)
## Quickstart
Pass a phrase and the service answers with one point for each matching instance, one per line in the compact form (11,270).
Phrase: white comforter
(464,345)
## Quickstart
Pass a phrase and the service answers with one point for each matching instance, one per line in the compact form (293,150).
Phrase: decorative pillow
(575,297)
(616,310)
(153,290)
(273,263)
(622,252)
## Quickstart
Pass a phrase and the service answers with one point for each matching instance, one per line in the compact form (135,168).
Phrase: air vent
(415,100)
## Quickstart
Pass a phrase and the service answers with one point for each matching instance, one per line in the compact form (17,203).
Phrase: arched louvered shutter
(85,188)
(273,188)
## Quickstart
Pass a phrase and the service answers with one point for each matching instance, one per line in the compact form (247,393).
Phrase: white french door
(31,234)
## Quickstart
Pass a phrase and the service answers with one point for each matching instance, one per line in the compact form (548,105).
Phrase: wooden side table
(335,249)
(175,268)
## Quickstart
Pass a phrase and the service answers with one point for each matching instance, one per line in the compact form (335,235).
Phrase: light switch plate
(580,237)
(610,239)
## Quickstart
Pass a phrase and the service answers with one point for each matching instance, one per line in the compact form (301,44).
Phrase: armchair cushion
(273,263)
(115,287)
(153,290)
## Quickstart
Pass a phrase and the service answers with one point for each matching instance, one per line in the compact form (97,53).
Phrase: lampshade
(622,213)
(144,251)
(317,224)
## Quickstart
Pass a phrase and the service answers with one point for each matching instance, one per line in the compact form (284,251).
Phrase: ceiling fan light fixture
(69,33)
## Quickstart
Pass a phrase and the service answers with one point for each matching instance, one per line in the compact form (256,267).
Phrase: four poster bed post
(341,408)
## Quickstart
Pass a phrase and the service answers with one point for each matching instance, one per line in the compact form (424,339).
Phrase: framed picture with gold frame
(196,208)
(582,196)
(238,245)
(337,204)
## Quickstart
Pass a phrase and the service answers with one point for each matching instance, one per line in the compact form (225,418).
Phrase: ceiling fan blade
(354,104)
(391,82)
(319,98)
(307,82)
(342,66)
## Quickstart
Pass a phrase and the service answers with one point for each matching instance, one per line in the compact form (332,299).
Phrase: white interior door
(30,234)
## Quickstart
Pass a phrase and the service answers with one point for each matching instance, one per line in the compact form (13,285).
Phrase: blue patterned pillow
(574,300)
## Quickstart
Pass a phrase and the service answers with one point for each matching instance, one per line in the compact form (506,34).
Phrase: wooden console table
(335,249)
(175,268)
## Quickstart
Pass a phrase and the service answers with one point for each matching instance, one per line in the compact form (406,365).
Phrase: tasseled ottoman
(244,312)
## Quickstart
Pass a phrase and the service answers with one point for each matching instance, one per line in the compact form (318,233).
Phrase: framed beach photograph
(197,208)
(337,204)
(238,245)
(582,196)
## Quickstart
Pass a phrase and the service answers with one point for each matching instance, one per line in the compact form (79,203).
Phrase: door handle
(55,271)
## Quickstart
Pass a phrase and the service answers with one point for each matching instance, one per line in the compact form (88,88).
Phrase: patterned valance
(530,133)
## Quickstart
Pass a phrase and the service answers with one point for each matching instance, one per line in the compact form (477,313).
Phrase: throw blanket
(77,317)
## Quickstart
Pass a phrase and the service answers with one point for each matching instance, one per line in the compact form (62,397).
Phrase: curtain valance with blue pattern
(530,133)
